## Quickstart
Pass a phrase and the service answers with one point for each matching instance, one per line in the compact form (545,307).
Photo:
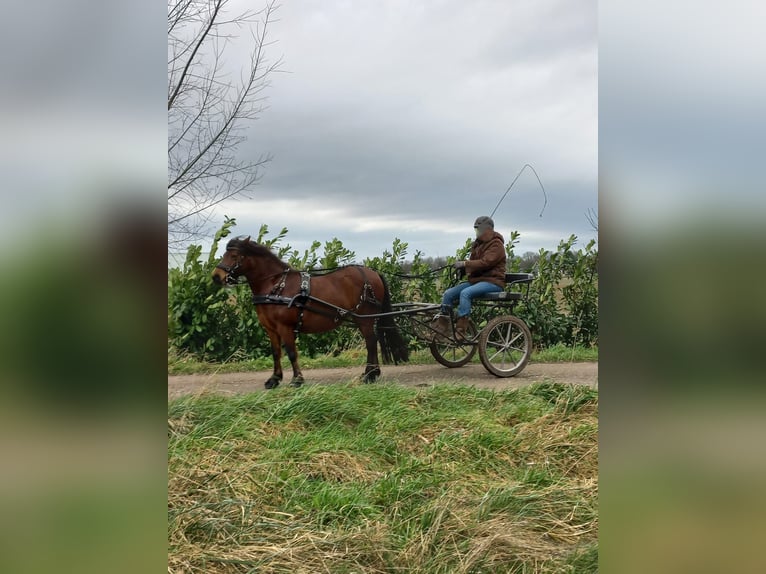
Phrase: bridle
(231,277)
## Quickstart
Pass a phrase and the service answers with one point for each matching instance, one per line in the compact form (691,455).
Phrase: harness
(303,295)
(303,299)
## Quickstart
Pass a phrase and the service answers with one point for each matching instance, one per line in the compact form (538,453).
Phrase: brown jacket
(487,262)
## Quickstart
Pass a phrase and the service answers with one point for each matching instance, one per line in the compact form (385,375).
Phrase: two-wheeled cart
(503,340)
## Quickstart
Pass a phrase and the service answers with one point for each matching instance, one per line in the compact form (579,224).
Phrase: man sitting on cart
(486,274)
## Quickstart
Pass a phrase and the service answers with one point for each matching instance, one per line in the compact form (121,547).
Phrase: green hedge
(212,323)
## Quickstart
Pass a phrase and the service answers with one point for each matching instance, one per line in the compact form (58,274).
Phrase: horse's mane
(249,247)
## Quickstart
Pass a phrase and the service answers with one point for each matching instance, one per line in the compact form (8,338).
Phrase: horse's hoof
(272,383)
(297,382)
(369,378)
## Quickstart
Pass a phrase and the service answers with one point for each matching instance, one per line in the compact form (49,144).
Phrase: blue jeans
(465,292)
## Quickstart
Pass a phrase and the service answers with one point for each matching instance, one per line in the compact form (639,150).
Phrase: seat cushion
(499,296)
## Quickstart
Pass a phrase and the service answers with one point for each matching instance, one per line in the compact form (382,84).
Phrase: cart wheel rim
(451,353)
(505,346)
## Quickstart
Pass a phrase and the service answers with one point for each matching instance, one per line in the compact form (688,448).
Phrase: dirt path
(410,375)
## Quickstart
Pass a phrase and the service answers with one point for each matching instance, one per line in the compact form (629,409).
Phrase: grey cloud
(429,110)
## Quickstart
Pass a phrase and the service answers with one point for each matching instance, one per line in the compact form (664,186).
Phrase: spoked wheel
(452,353)
(505,345)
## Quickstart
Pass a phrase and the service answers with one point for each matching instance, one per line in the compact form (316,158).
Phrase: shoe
(461,328)
(440,326)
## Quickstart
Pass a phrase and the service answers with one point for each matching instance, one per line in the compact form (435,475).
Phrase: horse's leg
(276,353)
(288,338)
(372,369)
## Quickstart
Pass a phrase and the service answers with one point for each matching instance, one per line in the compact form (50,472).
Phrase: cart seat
(510,279)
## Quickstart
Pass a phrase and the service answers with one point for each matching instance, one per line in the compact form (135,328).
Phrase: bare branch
(592,217)
(201,39)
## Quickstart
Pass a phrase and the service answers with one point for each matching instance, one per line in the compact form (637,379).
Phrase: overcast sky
(409,119)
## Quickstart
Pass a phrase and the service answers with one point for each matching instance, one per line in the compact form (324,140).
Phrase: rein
(231,280)
(422,275)
(327,270)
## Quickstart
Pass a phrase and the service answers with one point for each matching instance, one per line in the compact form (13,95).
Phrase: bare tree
(209,111)
(528,261)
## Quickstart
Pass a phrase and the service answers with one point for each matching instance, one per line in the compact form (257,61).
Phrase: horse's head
(233,263)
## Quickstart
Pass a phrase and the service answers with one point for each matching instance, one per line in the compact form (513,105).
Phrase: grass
(383,478)
(562,354)
(179,364)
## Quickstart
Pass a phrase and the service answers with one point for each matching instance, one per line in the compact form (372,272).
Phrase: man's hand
(459,264)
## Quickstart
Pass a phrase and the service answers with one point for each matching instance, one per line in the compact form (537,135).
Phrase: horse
(289,302)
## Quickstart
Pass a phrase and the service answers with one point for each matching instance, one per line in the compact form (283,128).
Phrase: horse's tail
(393,347)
